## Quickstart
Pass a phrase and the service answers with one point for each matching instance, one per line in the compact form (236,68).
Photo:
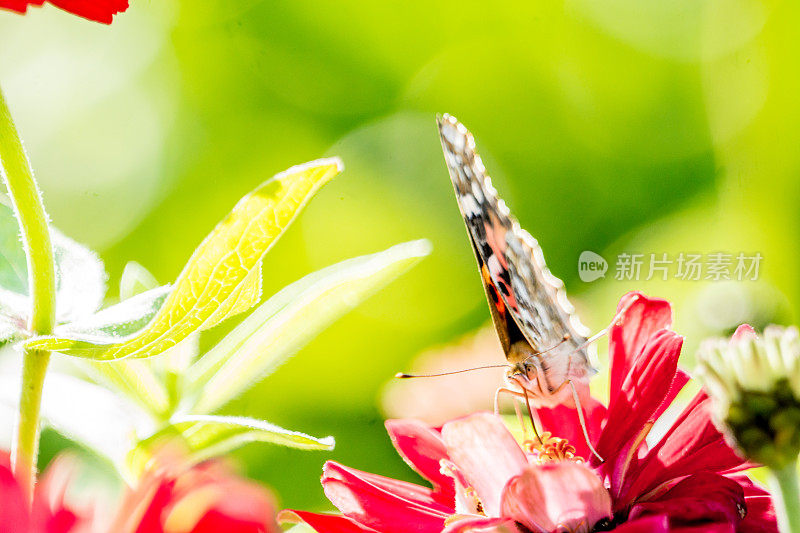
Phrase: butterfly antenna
(603,331)
(403,375)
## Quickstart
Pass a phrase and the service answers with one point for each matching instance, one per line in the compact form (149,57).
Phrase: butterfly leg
(582,420)
(514,394)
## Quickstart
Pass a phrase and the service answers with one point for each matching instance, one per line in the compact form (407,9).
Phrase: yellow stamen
(551,449)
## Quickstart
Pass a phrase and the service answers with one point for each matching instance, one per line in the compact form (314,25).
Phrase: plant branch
(786,497)
(35,232)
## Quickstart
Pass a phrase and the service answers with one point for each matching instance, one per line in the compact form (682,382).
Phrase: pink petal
(650,524)
(358,496)
(680,380)
(486,453)
(640,317)
(647,384)
(692,444)
(700,498)
(563,422)
(422,448)
(323,523)
(13,507)
(745,331)
(482,525)
(549,496)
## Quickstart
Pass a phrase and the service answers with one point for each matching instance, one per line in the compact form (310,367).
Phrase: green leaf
(287,321)
(135,279)
(86,413)
(206,436)
(136,380)
(80,276)
(119,320)
(219,280)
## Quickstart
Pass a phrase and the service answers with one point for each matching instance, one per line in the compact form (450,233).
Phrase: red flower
(97,10)
(206,498)
(484,481)
(49,513)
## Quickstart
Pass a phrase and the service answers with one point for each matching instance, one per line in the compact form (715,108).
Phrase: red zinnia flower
(49,513)
(206,498)
(97,10)
(484,481)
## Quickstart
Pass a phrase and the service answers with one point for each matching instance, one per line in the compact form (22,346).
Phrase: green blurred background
(622,125)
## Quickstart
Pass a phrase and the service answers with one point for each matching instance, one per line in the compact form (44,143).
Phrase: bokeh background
(622,125)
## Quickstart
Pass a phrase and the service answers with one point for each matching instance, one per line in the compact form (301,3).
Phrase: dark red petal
(716,527)
(13,507)
(647,384)
(639,318)
(761,516)
(563,422)
(699,498)
(650,524)
(692,444)
(422,448)
(323,523)
(374,506)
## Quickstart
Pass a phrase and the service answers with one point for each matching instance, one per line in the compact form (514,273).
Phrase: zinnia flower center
(551,449)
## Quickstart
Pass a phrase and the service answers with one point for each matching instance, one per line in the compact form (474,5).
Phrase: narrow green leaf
(206,436)
(217,282)
(287,321)
(135,379)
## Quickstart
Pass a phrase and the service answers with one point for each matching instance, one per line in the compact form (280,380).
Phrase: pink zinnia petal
(563,422)
(547,497)
(486,453)
(745,331)
(374,506)
(640,318)
(482,525)
(700,498)
(692,444)
(13,507)
(422,448)
(648,382)
(323,523)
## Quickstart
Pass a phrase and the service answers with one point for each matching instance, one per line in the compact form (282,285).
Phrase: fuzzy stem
(28,206)
(786,497)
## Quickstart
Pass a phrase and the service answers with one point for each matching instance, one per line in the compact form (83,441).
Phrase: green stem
(35,233)
(786,497)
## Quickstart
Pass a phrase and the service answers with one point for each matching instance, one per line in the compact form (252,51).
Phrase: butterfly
(547,348)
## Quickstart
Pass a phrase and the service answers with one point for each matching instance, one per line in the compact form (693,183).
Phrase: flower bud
(755,385)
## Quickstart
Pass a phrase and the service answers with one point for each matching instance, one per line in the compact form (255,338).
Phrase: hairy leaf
(206,436)
(135,279)
(288,320)
(80,276)
(218,281)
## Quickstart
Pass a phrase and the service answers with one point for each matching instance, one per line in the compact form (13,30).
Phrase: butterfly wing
(527,302)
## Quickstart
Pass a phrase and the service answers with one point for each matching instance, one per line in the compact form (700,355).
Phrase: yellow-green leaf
(219,279)
(207,436)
